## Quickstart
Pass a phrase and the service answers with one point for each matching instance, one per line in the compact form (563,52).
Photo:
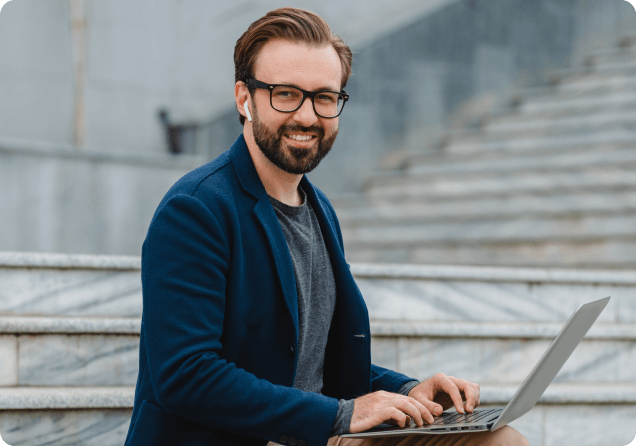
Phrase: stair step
(574,141)
(69,284)
(587,93)
(516,230)
(498,129)
(489,162)
(621,65)
(83,359)
(600,82)
(466,294)
(425,209)
(505,184)
(567,393)
(589,85)
(29,275)
(55,427)
(574,105)
(591,253)
(613,54)
(515,122)
(501,352)
(69,351)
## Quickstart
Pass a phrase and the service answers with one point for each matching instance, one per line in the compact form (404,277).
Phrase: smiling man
(253,329)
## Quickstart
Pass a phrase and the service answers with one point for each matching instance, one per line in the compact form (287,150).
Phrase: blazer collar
(245,170)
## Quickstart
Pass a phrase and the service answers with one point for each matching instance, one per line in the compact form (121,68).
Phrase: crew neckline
(287,208)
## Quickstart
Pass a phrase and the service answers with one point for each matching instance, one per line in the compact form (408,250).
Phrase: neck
(279,184)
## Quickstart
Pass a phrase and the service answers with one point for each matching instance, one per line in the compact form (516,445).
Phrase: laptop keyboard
(454,417)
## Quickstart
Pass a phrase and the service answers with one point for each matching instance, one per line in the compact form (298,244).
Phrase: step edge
(43,398)
(492,273)
(379,328)
(18,259)
(60,397)
(17,324)
(494,330)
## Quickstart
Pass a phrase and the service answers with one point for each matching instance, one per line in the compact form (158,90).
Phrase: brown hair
(295,25)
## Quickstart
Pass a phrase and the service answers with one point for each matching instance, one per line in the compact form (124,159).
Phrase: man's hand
(429,398)
(386,407)
(442,392)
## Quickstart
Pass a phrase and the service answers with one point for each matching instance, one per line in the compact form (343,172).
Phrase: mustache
(288,128)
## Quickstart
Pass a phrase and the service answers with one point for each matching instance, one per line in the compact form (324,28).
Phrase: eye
(286,93)
(327,98)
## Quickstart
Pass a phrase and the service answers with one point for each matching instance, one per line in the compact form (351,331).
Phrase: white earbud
(247,111)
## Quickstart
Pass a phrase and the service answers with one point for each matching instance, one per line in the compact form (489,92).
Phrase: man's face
(281,136)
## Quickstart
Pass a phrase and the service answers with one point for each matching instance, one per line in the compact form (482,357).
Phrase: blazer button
(301,443)
(282,439)
(291,351)
(292,441)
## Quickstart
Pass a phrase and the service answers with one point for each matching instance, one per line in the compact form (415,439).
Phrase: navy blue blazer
(219,332)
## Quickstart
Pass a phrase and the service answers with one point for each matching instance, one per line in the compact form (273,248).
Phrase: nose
(305,115)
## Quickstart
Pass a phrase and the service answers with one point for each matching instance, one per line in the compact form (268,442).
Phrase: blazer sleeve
(388,380)
(381,378)
(185,262)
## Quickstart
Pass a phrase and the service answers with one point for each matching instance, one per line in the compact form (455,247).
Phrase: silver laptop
(492,418)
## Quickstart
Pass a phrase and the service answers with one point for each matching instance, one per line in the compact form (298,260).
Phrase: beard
(294,160)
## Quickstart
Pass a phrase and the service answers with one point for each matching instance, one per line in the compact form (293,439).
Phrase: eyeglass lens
(326,104)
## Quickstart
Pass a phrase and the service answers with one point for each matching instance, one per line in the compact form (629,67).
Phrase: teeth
(300,137)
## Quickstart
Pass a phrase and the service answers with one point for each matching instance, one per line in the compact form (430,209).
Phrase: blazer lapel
(284,266)
(352,363)
(349,296)
(264,212)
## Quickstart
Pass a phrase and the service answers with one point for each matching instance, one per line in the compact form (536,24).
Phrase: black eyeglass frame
(306,94)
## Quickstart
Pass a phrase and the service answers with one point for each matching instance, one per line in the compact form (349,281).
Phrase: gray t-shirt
(316,290)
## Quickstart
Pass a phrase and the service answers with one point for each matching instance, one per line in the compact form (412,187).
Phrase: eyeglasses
(287,99)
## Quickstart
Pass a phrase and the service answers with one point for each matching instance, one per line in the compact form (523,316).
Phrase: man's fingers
(447,385)
(470,390)
(398,416)
(432,409)
(425,408)
(408,406)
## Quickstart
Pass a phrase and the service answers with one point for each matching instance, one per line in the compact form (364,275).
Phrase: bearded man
(253,328)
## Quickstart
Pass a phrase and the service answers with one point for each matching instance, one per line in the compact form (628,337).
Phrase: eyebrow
(318,89)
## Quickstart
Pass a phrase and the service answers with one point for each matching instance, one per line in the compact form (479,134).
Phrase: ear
(242,96)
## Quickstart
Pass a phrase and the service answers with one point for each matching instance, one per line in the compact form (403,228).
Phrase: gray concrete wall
(56,200)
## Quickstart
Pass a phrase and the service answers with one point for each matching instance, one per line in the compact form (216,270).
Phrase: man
(253,329)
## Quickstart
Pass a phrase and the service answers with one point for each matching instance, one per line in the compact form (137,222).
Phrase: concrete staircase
(550,182)
(69,348)
(69,339)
